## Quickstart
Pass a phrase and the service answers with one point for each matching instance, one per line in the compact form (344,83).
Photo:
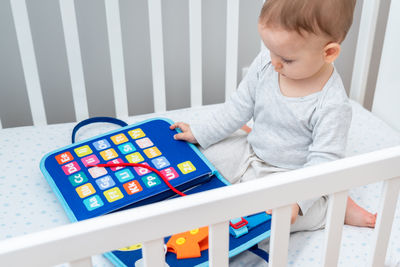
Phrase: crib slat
(157,54)
(86,262)
(117,57)
(363,55)
(68,17)
(279,241)
(334,227)
(28,58)
(232,44)
(153,253)
(383,227)
(219,244)
(196,94)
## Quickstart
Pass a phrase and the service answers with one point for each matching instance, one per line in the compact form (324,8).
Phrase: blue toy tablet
(86,190)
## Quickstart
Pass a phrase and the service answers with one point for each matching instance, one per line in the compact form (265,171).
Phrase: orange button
(64,158)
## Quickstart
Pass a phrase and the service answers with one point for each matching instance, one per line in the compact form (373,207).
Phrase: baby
(297,100)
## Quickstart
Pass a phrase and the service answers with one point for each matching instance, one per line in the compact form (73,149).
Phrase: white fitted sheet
(27,204)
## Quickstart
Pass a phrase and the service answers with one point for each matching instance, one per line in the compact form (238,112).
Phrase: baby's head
(304,35)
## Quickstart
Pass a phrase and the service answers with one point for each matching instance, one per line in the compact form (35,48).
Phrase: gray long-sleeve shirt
(288,132)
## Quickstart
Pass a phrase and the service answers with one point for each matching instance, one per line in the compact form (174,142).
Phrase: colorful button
(64,158)
(170,173)
(124,175)
(119,139)
(85,190)
(83,151)
(93,202)
(78,178)
(105,182)
(136,133)
(113,194)
(186,167)
(118,160)
(160,162)
(90,160)
(126,148)
(97,172)
(142,171)
(144,142)
(101,144)
(132,187)
(71,168)
(108,154)
(151,180)
(152,152)
(134,157)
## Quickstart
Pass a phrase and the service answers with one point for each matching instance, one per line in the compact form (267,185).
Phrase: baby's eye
(287,61)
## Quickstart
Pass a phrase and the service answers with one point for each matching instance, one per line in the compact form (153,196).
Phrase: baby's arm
(331,127)
(186,134)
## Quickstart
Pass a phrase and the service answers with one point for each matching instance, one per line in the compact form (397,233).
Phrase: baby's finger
(269,212)
(181,136)
(180,125)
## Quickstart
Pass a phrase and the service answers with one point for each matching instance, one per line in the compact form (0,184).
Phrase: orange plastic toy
(189,244)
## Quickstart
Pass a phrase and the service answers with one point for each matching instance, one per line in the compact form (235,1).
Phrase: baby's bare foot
(358,216)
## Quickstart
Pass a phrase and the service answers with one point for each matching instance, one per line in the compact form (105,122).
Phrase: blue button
(160,162)
(126,148)
(105,182)
(101,144)
(124,175)
(93,202)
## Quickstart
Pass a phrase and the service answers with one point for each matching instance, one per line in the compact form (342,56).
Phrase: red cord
(123,164)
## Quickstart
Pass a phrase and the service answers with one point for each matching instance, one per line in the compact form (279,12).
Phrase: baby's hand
(186,134)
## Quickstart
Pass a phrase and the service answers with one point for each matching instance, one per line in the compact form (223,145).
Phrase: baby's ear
(331,52)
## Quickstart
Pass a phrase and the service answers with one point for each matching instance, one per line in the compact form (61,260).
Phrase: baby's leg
(314,219)
(358,216)
(229,156)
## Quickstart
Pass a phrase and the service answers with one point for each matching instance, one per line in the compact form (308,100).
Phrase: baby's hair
(330,17)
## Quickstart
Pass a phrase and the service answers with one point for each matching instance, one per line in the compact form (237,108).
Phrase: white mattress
(27,204)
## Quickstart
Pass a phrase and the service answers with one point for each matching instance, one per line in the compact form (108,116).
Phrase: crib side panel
(387,93)
(214,208)
(70,27)
(365,42)
(28,58)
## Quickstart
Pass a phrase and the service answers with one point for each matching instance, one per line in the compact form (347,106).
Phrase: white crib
(80,241)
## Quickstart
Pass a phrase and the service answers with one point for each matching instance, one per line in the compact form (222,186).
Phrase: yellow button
(119,139)
(136,133)
(186,167)
(180,240)
(134,157)
(113,194)
(152,152)
(85,190)
(194,231)
(109,154)
(83,151)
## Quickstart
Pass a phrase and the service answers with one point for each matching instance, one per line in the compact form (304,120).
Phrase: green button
(78,178)
(151,180)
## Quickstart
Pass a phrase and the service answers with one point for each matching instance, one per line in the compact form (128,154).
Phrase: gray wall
(53,69)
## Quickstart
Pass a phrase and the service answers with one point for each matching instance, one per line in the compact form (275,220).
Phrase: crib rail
(143,224)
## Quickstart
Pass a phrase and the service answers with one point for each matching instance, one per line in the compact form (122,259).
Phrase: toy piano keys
(86,190)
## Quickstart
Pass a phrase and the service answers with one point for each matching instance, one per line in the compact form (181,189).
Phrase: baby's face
(293,55)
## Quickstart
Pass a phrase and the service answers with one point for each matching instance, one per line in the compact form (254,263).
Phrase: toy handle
(94,120)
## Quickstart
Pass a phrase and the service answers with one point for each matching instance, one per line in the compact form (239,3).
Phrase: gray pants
(235,159)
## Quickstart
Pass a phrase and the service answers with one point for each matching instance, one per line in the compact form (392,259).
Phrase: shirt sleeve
(235,112)
(329,136)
